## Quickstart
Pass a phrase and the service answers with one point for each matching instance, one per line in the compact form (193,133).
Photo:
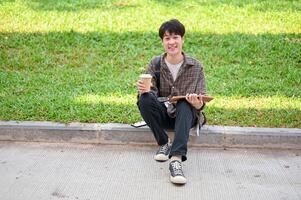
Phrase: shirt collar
(187,59)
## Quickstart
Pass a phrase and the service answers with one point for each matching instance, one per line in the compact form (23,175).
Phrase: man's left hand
(195,100)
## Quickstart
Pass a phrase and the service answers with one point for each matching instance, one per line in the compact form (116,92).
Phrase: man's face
(172,43)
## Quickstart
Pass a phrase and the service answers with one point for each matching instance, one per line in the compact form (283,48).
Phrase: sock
(176,157)
(169,141)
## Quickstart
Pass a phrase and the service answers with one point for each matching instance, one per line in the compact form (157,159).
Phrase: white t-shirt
(174,69)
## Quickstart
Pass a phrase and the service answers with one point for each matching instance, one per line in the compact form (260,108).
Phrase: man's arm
(151,71)
(194,99)
(201,85)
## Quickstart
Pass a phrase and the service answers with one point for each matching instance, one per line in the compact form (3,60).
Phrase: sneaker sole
(161,157)
(178,180)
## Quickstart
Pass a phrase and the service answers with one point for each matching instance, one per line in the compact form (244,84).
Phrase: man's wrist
(198,106)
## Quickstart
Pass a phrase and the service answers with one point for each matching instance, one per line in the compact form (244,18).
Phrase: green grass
(79,60)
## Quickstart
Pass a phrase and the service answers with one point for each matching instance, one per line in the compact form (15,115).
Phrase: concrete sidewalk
(66,171)
(211,136)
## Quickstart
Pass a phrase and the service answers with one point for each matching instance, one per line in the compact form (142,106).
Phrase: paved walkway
(37,171)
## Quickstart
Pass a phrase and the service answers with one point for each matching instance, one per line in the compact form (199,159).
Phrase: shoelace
(177,168)
(164,148)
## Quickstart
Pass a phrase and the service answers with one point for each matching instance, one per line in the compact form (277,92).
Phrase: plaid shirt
(190,78)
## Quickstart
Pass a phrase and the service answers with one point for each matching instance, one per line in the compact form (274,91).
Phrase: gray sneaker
(176,172)
(163,152)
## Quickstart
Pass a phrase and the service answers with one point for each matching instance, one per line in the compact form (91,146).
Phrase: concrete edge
(115,133)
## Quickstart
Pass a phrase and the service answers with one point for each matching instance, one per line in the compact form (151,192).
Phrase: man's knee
(184,110)
(183,106)
(185,113)
(146,99)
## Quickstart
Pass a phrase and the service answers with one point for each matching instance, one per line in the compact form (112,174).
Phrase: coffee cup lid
(145,76)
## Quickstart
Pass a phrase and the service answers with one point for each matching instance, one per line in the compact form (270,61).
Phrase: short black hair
(172,26)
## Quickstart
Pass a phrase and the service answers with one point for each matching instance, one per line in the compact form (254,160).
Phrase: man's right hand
(141,87)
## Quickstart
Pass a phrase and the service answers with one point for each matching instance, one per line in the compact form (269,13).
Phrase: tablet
(204,98)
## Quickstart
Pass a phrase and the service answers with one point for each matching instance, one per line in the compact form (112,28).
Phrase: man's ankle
(176,157)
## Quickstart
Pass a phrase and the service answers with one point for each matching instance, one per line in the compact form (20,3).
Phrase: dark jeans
(155,115)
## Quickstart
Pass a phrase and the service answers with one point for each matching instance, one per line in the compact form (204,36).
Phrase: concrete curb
(112,133)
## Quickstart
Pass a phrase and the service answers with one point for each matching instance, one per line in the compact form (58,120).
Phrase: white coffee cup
(147,80)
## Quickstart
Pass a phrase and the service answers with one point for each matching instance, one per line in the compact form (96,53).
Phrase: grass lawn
(78,60)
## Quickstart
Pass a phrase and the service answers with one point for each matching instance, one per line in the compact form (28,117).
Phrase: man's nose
(171,41)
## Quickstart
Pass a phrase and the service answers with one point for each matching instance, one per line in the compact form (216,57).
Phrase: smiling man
(173,73)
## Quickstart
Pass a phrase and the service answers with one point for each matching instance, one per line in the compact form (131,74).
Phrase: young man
(179,75)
